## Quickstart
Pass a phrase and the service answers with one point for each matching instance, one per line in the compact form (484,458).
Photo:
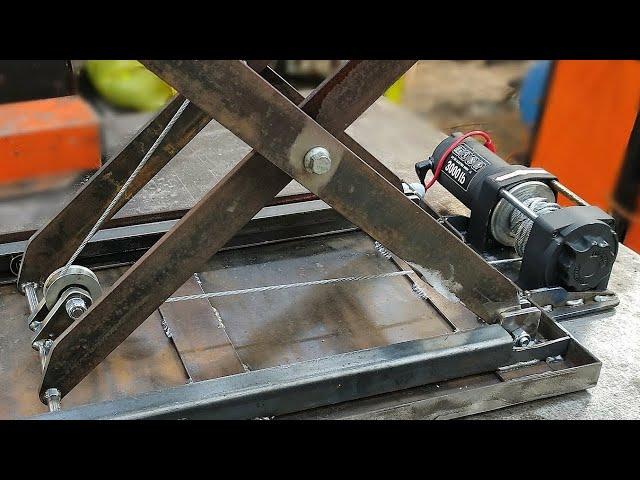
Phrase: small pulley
(67,277)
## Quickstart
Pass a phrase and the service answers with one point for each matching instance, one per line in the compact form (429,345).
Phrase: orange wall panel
(589,112)
(47,137)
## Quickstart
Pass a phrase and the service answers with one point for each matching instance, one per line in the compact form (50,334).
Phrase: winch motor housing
(514,206)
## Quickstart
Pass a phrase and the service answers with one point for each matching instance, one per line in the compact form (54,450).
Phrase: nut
(75,306)
(521,338)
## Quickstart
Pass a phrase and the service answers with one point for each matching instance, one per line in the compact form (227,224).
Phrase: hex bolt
(52,396)
(75,306)
(29,290)
(523,340)
(317,160)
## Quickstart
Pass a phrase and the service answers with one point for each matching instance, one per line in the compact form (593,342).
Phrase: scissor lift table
(312,306)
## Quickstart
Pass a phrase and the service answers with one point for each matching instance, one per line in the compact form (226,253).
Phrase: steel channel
(124,245)
(315,383)
(207,227)
(233,93)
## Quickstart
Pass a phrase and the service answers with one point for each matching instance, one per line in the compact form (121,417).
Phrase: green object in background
(128,84)
(395,91)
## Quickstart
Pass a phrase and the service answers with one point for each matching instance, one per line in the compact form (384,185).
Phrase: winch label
(463,164)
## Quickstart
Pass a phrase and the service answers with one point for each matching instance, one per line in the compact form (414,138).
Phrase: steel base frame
(415,379)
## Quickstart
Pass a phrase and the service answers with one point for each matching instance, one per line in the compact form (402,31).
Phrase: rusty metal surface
(280,327)
(187,246)
(232,93)
(267,329)
(199,336)
(145,361)
(317,109)
(457,315)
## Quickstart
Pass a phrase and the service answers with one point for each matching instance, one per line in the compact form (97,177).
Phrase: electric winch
(515,206)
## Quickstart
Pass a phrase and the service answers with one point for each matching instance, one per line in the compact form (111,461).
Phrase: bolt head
(603,298)
(317,160)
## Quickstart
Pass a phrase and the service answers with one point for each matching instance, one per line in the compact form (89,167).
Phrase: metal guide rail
(478,322)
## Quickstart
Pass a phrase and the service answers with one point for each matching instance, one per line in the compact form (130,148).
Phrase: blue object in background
(532,91)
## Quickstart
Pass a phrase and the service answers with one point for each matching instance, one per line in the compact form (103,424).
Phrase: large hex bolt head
(317,160)
(76,307)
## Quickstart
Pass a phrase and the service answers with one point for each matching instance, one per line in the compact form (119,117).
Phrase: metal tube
(558,187)
(504,260)
(334,379)
(513,200)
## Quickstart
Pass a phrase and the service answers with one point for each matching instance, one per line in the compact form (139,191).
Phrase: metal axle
(558,187)
(32,297)
(513,200)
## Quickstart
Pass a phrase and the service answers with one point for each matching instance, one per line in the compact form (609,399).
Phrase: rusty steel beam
(201,232)
(55,242)
(283,133)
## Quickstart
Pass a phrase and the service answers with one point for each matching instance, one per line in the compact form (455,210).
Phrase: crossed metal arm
(282,126)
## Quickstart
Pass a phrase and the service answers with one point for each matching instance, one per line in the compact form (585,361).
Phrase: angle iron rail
(313,383)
